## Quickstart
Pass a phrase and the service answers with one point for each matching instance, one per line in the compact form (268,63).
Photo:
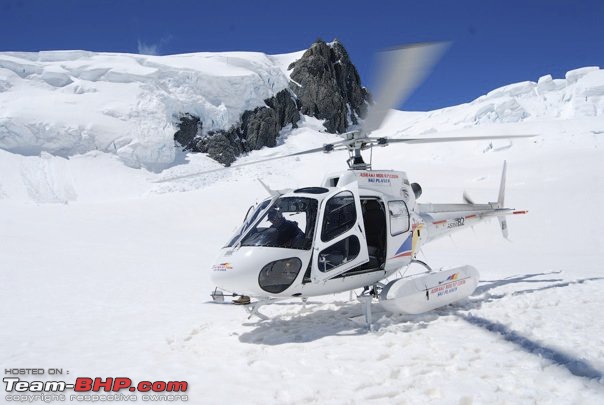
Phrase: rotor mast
(355,160)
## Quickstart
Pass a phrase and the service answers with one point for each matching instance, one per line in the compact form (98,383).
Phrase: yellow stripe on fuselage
(415,238)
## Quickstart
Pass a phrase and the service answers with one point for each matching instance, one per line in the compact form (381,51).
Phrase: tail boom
(443,219)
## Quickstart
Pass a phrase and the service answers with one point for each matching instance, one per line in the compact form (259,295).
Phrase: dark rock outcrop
(224,147)
(328,86)
(258,128)
(285,107)
(189,128)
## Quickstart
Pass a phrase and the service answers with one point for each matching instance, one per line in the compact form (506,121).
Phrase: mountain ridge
(71,102)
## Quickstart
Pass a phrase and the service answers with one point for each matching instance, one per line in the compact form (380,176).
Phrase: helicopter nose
(257,271)
(223,274)
(235,274)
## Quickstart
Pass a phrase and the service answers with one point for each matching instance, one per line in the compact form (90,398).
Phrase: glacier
(72,102)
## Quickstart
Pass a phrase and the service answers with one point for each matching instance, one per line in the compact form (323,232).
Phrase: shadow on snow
(310,325)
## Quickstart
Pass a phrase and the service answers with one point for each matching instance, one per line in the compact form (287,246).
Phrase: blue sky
(494,42)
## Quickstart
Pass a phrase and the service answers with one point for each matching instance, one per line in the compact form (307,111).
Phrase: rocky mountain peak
(324,84)
(328,86)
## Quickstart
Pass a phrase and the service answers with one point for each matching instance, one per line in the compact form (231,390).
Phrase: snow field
(120,286)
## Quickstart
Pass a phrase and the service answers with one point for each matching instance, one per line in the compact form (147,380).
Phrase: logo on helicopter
(456,222)
(379,178)
(222,267)
(452,277)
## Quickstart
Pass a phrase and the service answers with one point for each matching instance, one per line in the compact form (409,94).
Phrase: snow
(283,61)
(104,272)
(72,102)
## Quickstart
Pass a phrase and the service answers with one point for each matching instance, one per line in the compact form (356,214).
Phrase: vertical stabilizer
(502,186)
(503,224)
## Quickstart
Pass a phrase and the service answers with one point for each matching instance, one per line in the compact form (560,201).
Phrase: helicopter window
(333,182)
(288,223)
(339,253)
(399,217)
(340,215)
(249,220)
(312,190)
(276,277)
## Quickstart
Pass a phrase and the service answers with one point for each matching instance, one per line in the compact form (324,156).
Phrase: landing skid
(366,299)
(252,309)
(422,264)
(218,296)
(431,290)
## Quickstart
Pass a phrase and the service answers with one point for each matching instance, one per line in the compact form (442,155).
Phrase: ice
(507,111)
(285,60)
(70,102)
(513,90)
(546,83)
(572,76)
(56,79)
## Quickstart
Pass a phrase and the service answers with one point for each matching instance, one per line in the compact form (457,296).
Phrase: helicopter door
(340,242)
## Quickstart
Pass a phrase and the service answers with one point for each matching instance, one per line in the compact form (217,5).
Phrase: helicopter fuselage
(356,229)
(364,226)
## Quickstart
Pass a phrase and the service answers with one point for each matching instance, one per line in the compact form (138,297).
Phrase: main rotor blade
(400,71)
(338,146)
(452,139)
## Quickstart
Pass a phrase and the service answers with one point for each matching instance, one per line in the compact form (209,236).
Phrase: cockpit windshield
(288,223)
(250,219)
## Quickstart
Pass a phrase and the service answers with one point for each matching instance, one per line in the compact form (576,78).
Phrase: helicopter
(359,226)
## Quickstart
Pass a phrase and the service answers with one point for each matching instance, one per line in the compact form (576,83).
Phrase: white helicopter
(358,227)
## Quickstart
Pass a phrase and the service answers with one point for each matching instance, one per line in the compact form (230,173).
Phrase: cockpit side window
(340,215)
(399,217)
(341,252)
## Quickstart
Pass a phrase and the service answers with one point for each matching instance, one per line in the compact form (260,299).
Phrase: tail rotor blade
(467,199)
